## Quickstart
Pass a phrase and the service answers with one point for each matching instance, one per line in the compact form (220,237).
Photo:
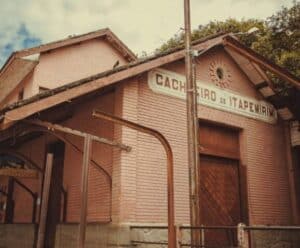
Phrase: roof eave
(261,61)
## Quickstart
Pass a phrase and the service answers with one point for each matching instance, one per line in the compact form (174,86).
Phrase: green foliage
(277,38)
(284,38)
(231,25)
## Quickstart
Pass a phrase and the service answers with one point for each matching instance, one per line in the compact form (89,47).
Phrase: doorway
(55,193)
(220,183)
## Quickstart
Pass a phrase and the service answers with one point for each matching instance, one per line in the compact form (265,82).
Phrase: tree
(278,37)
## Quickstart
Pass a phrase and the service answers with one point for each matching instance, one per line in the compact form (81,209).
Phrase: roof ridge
(70,37)
(71,40)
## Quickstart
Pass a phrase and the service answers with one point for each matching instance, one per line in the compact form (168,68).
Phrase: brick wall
(262,148)
(99,198)
(139,177)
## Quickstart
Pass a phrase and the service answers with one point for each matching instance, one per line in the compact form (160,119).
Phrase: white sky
(141,24)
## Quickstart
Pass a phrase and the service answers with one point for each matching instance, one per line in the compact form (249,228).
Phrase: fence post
(178,235)
(202,230)
(241,235)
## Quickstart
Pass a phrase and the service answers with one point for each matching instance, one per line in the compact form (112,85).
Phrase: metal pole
(170,166)
(45,198)
(84,188)
(192,126)
(202,237)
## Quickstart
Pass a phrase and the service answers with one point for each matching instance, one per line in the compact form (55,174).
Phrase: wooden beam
(43,129)
(60,43)
(16,172)
(45,198)
(112,38)
(68,130)
(120,46)
(261,61)
(87,152)
(261,85)
(22,157)
(264,76)
(85,88)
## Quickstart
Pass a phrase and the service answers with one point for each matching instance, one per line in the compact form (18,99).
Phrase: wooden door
(55,194)
(220,191)
(220,198)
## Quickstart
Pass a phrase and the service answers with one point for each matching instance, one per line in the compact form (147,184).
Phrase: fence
(240,236)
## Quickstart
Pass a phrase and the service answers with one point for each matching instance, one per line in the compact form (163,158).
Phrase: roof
(204,43)
(19,68)
(50,98)
(22,62)
(71,40)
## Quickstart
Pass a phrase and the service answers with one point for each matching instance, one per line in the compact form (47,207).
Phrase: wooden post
(9,212)
(291,171)
(241,235)
(45,198)
(84,188)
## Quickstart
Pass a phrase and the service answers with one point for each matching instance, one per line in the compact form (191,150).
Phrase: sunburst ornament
(220,74)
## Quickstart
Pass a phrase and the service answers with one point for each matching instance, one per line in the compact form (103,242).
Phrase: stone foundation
(275,239)
(17,235)
(110,235)
(97,236)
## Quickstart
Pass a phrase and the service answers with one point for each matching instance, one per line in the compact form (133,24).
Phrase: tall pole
(192,128)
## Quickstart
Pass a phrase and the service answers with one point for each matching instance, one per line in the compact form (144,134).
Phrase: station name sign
(173,84)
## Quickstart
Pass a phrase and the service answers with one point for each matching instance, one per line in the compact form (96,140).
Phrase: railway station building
(249,143)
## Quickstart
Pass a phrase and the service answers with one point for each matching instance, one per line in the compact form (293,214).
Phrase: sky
(142,25)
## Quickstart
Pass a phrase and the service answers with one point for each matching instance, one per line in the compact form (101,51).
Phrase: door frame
(242,169)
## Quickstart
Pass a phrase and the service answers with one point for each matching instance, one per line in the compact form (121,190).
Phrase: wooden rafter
(261,61)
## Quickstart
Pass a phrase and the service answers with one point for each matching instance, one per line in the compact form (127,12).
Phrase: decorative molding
(220,74)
